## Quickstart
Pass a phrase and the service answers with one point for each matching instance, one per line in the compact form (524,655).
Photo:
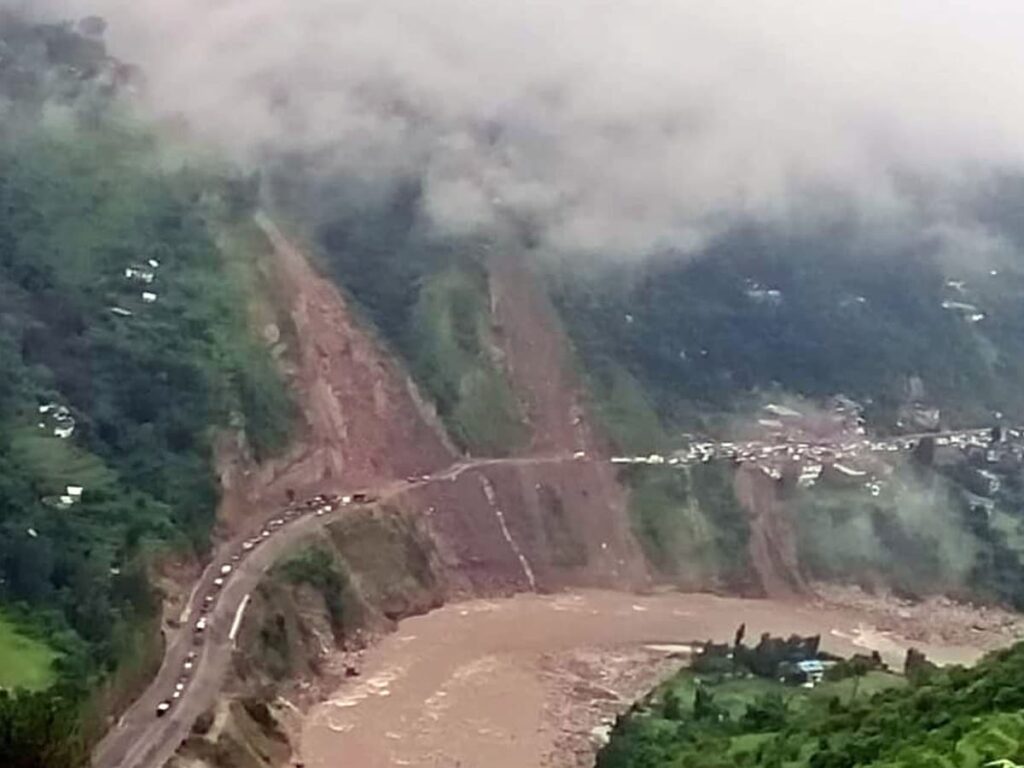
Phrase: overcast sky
(619,124)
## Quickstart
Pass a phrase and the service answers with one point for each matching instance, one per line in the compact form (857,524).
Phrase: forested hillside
(818,313)
(673,345)
(426,294)
(124,343)
(959,717)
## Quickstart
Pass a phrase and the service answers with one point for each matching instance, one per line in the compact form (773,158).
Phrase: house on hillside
(782,411)
(807,673)
(139,274)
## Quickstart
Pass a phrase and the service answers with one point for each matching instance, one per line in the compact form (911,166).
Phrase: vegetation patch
(952,716)
(125,344)
(24,661)
(454,357)
(426,294)
(318,568)
(690,523)
(390,561)
(624,411)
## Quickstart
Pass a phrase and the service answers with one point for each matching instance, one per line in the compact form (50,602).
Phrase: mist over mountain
(496,298)
(617,128)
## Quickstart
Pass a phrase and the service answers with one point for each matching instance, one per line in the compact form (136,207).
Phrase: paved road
(143,740)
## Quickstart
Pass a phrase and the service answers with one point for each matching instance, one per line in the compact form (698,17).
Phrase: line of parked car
(318,505)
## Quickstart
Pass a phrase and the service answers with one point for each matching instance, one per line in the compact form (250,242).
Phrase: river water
(470,684)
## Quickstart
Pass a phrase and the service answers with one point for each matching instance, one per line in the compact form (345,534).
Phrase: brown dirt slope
(772,544)
(582,510)
(361,420)
(363,424)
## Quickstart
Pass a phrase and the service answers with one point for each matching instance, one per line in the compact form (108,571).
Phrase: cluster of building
(759,451)
(849,457)
(966,310)
(140,274)
(71,496)
(761,294)
(56,419)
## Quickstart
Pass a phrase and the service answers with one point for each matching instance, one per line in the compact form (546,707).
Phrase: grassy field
(735,695)
(453,358)
(24,662)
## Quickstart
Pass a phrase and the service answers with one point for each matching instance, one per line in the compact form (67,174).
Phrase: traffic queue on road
(319,505)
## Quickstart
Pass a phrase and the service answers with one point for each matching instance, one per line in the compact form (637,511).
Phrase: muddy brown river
(473,684)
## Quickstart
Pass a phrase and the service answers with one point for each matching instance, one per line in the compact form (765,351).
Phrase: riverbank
(527,681)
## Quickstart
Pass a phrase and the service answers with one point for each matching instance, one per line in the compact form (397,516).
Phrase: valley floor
(529,681)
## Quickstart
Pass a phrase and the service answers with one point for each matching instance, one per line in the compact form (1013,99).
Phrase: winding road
(141,739)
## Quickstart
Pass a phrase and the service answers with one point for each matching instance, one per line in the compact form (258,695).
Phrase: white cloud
(618,124)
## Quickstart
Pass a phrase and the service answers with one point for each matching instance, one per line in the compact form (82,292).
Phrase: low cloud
(611,126)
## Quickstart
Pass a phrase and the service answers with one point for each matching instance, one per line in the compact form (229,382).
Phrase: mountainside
(915,338)
(832,310)
(662,349)
(124,344)
(187,348)
(500,528)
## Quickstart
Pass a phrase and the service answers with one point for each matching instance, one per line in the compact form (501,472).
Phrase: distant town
(791,443)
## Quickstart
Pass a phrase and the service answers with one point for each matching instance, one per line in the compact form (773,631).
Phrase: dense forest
(124,343)
(952,716)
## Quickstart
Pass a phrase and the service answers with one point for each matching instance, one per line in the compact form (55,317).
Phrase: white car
(163,708)
(218,582)
(225,570)
(201,624)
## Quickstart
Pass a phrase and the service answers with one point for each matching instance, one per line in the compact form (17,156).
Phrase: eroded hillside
(501,528)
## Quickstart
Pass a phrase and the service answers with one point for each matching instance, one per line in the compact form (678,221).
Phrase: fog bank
(613,126)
